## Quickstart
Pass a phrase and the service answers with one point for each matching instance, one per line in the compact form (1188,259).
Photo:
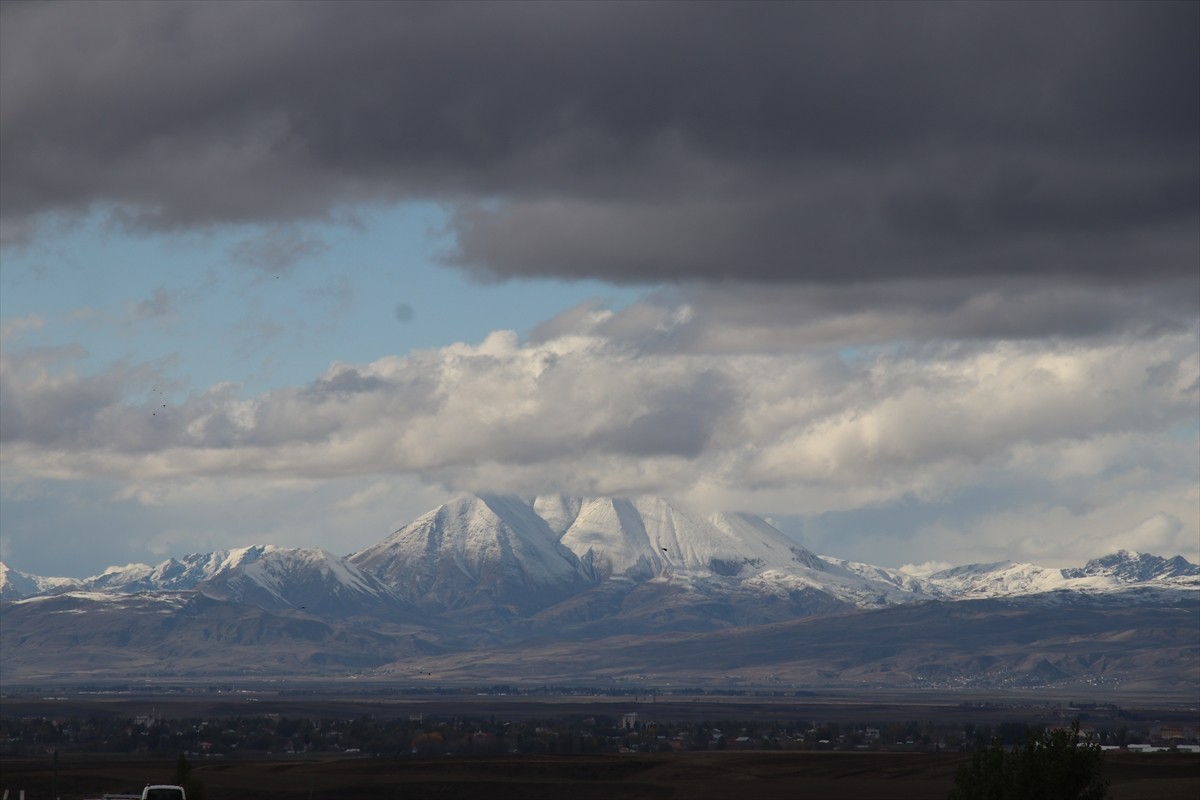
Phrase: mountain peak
(1130,567)
(15,584)
(475,548)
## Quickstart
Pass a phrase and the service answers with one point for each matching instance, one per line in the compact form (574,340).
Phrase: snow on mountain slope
(476,549)
(16,584)
(1120,571)
(687,544)
(308,578)
(265,575)
(997,579)
(893,585)
(173,574)
(130,577)
(1130,567)
(1117,572)
(744,553)
(558,510)
(163,599)
(609,538)
(649,535)
(649,538)
(196,568)
(760,542)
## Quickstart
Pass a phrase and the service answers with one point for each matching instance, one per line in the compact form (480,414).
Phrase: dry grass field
(699,776)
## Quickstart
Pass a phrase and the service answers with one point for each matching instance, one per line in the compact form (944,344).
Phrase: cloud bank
(799,433)
(803,142)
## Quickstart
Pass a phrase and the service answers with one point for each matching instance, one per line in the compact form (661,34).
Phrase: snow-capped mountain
(473,551)
(263,575)
(999,579)
(302,578)
(526,554)
(896,584)
(485,578)
(15,584)
(1129,567)
(174,574)
(170,575)
(529,553)
(648,537)
(1119,571)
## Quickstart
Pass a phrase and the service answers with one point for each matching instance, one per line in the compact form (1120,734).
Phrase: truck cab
(162,791)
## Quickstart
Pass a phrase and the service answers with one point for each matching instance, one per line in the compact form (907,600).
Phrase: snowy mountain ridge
(488,587)
(1114,572)
(14,583)
(526,554)
(264,575)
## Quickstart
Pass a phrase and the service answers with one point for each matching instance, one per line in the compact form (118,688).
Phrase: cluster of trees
(1051,765)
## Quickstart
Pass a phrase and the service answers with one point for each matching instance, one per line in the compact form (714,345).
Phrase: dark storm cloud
(717,318)
(773,142)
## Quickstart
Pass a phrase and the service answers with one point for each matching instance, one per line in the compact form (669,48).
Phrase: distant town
(625,720)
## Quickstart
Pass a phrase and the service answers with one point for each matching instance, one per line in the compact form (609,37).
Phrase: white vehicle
(153,791)
(163,791)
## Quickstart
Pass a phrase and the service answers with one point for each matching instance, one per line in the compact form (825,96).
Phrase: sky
(918,282)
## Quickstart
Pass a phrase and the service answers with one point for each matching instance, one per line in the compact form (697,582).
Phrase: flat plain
(764,775)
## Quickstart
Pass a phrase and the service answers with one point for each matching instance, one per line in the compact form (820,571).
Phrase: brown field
(763,776)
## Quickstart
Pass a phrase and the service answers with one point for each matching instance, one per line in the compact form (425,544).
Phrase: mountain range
(498,587)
